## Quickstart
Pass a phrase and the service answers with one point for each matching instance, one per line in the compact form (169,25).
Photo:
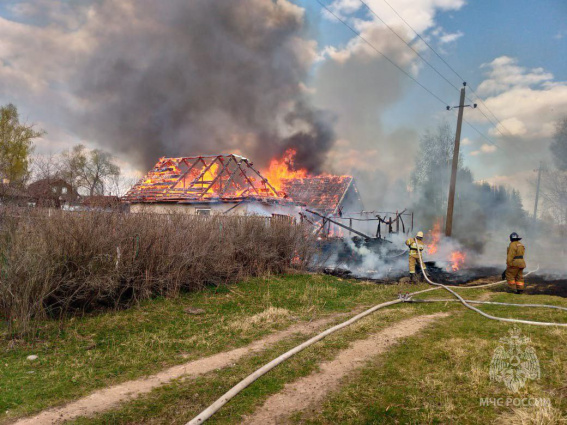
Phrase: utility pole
(453,184)
(537,190)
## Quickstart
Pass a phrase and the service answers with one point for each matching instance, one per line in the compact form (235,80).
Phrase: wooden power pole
(453,184)
(455,167)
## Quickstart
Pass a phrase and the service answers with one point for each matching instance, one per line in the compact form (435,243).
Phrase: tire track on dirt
(309,391)
(111,397)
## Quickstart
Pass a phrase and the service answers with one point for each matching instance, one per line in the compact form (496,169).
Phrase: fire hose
(486,302)
(226,397)
(482,313)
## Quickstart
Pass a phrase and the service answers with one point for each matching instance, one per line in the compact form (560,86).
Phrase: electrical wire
(452,69)
(430,65)
(407,44)
(359,35)
(380,52)
(481,134)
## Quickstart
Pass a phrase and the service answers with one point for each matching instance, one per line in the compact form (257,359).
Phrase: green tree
(91,171)
(16,145)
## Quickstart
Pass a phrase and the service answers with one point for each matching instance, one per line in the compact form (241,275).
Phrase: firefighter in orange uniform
(414,245)
(515,264)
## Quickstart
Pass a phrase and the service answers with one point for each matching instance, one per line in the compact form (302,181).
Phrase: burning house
(229,184)
(217,184)
(329,195)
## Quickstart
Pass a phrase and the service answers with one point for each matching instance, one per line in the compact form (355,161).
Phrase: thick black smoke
(195,77)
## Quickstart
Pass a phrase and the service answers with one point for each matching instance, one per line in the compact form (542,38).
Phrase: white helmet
(419,235)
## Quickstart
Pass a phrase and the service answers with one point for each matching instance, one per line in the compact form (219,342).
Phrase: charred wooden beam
(339,224)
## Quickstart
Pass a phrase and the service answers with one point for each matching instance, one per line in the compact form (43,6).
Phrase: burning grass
(71,262)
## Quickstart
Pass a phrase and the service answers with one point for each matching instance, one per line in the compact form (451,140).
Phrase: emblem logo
(514,361)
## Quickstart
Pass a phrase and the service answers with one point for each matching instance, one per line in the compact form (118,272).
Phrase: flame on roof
(202,179)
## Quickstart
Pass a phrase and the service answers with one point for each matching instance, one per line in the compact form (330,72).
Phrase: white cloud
(504,73)
(527,101)
(420,14)
(512,126)
(447,38)
(485,148)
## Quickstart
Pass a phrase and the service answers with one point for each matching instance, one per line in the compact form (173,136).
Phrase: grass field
(437,376)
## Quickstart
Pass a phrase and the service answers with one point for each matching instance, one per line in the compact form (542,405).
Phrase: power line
(407,44)
(381,53)
(427,62)
(400,68)
(491,122)
(450,67)
(482,134)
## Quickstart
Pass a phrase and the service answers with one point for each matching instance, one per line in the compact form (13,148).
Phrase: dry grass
(261,320)
(535,415)
(69,262)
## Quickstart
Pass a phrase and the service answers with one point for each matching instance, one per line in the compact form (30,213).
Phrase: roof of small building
(200,179)
(324,193)
(43,189)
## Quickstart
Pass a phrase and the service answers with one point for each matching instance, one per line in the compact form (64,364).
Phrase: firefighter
(414,244)
(515,264)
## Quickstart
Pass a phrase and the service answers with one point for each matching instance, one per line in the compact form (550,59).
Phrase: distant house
(53,193)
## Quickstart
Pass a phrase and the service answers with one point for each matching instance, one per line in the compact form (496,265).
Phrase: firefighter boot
(412,277)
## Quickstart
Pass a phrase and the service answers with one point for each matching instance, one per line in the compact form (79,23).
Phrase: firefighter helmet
(419,235)
(515,237)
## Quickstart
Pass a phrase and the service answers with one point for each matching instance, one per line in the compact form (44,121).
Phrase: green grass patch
(181,401)
(439,376)
(80,355)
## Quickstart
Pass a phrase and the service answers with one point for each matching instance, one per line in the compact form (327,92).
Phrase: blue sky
(534,34)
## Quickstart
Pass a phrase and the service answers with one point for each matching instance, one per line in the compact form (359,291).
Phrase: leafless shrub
(64,262)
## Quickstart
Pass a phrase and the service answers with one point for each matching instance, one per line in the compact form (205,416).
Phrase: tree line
(89,172)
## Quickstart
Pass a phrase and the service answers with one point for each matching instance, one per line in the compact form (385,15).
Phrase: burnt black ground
(435,273)
(546,285)
(537,284)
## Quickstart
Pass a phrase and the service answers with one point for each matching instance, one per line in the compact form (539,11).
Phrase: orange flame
(336,232)
(457,260)
(435,237)
(211,173)
(283,169)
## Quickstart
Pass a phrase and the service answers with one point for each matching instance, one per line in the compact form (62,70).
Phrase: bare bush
(69,261)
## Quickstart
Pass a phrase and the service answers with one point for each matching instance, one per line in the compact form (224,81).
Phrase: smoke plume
(200,77)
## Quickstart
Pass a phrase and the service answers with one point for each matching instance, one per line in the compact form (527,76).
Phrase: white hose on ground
(213,408)
(486,285)
(488,302)
(226,397)
(488,316)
